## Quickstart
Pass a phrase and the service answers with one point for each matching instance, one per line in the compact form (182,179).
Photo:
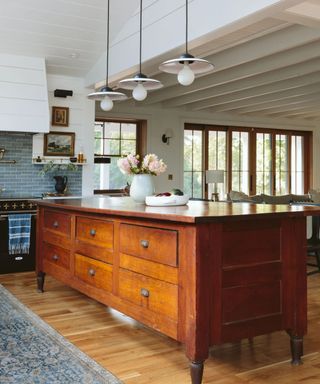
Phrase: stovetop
(17,204)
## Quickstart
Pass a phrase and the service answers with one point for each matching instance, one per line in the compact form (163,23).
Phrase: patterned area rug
(31,352)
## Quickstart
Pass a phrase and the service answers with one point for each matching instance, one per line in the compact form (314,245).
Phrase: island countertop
(193,212)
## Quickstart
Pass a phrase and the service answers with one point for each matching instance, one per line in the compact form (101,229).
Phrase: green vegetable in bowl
(176,191)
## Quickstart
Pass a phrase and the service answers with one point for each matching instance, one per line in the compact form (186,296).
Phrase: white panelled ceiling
(267,66)
(70,34)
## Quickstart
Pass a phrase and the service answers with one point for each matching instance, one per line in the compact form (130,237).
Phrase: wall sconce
(62,93)
(214,176)
(167,136)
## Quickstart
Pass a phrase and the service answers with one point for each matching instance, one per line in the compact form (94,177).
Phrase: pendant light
(140,83)
(106,94)
(186,66)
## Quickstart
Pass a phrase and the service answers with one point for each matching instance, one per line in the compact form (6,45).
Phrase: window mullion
(205,159)
(289,168)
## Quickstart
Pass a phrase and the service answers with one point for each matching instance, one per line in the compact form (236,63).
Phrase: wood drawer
(154,244)
(97,232)
(58,222)
(93,272)
(155,295)
(56,255)
(149,268)
(94,238)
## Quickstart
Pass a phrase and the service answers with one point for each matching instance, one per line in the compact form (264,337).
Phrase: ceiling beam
(257,99)
(254,52)
(298,113)
(283,109)
(309,115)
(299,18)
(281,103)
(290,72)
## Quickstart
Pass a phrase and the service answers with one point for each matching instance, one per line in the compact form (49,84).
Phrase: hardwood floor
(136,354)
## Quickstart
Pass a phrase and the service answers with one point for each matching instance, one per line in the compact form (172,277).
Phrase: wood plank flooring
(136,354)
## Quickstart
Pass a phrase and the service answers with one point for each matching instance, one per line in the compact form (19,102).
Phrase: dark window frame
(141,127)
(307,153)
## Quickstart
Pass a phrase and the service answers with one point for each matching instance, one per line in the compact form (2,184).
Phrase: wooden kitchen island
(204,273)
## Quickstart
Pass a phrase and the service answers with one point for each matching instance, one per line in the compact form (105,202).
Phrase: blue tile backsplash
(22,179)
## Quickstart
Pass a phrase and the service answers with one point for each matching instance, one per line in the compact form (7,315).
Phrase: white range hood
(23,94)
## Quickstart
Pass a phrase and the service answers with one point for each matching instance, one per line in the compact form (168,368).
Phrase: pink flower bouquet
(150,165)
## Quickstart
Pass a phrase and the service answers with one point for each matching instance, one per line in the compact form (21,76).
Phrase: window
(264,163)
(196,160)
(254,160)
(297,164)
(240,161)
(217,157)
(193,169)
(281,162)
(281,186)
(113,139)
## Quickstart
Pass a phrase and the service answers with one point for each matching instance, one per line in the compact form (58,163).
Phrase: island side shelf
(203,274)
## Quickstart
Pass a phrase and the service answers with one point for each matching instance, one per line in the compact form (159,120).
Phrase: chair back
(315,228)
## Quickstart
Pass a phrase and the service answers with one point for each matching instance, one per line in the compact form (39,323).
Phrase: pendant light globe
(140,83)
(186,75)
(106,104)
(139,92)
(107,95)
(186,66)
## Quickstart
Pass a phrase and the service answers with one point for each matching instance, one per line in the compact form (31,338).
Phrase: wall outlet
(170,177)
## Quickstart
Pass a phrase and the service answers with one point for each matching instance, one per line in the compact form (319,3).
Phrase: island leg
(196,371)
(198,276)
(296,343)
(40,280)
(295,285)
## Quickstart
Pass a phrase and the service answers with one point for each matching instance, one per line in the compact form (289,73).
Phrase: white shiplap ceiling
(70,34)
(268,68)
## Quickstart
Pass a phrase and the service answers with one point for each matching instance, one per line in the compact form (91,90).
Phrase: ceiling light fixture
(140,83)
(186,66)
(106,94)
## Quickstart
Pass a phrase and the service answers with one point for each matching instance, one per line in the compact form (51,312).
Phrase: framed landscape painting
(59,144)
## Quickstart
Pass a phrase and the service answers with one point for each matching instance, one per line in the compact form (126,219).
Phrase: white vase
(141,186)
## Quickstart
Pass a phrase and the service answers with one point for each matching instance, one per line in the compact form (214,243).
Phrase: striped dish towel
(19,233)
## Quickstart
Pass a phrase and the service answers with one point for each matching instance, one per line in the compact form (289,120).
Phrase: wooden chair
(313,245)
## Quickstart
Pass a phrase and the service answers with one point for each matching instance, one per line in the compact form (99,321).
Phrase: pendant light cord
(186,26)
(140,50)
(107,61)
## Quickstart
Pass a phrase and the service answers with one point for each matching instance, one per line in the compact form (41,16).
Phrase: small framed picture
(59,144)
(60,116)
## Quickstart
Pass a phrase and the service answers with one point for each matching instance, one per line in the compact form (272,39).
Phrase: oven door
(16,263)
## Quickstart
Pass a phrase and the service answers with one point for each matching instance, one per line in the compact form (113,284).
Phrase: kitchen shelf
(8,161)
(57,162)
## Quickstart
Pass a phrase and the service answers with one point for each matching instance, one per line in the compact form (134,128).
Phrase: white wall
(81,121)
(159,120)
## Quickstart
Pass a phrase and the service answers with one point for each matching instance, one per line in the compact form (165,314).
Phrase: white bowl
(161,201)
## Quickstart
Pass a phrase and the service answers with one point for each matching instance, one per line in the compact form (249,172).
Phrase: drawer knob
(55,257)
(93,232)
(91,272)
(144,292)
(55,224)
(144,243)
